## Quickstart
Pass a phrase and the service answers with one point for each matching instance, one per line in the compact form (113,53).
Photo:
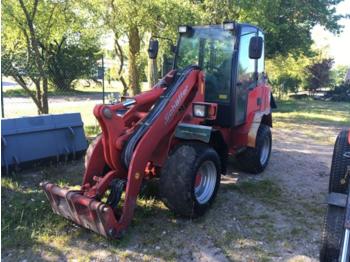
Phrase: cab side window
(261,60)
(245,77)
(246,66)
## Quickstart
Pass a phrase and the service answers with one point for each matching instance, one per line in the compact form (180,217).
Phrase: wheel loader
(214,103)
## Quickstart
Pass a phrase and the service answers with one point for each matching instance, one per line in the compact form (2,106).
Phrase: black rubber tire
(333,227)
(340,163)
(91,149)
(178,175)
(89,152)
(249,159)
(332,235)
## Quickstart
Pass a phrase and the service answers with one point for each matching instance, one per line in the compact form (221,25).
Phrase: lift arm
(131,133)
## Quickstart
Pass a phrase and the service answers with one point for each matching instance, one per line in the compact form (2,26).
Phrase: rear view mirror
(153,49)
(255,47)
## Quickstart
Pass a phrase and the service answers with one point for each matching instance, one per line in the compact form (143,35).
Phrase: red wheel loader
(215,102)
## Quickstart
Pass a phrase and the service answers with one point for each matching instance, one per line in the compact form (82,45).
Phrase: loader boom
(129,143)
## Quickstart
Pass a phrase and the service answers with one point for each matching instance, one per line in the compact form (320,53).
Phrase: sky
(338,45)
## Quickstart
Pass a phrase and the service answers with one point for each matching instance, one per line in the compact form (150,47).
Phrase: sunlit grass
(313,119)
(25,215)
(80,88)
(311,111)
(306,116)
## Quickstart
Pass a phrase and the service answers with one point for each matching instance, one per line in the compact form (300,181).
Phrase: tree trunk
(125,86)
(152,72)
(38,95)
(44,98)
(119,52)
(133,67)
(38,58)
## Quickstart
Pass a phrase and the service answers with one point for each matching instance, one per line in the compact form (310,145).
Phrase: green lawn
(313,112)
(81,88)
(81,100)
(312,119)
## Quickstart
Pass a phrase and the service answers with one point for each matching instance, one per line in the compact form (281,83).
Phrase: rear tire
(338,180)
(255,160)
(333,227)
(190,179)
(332,235)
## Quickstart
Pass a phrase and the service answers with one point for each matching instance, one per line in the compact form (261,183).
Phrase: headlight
(204,110)
(200,110)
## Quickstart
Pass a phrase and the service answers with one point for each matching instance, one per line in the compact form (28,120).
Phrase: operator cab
(232,57)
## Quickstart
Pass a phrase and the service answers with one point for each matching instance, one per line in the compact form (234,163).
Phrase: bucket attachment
(87,212)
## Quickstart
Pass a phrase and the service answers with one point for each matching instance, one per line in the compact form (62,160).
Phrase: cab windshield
(211,48)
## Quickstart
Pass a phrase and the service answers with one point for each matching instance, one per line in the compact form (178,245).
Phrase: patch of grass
(297,231)
(80,88)
(313,112)
(17,92)
(264,190)
(92,130)
(28,221)
(27,217)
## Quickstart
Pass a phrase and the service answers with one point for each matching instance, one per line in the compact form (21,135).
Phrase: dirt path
(276,216)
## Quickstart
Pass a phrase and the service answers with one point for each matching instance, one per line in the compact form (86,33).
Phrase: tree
(138,21)
(338,74)
(281,68)
(319,74)
(30,29)
(287,24)
(289,83)
(68,62)
(28,62)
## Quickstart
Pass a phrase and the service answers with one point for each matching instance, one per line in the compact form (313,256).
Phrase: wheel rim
(265,151)
(205,182)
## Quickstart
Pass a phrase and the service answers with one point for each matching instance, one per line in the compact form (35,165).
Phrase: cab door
(246,80)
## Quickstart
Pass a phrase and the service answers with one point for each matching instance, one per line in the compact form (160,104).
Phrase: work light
(183,29)
(229,26)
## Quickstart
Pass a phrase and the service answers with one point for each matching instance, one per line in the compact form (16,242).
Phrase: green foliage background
(78,27)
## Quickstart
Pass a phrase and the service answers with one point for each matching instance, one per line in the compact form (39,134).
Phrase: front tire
(89,152)
(190,179)
(91,148)
(255,160)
